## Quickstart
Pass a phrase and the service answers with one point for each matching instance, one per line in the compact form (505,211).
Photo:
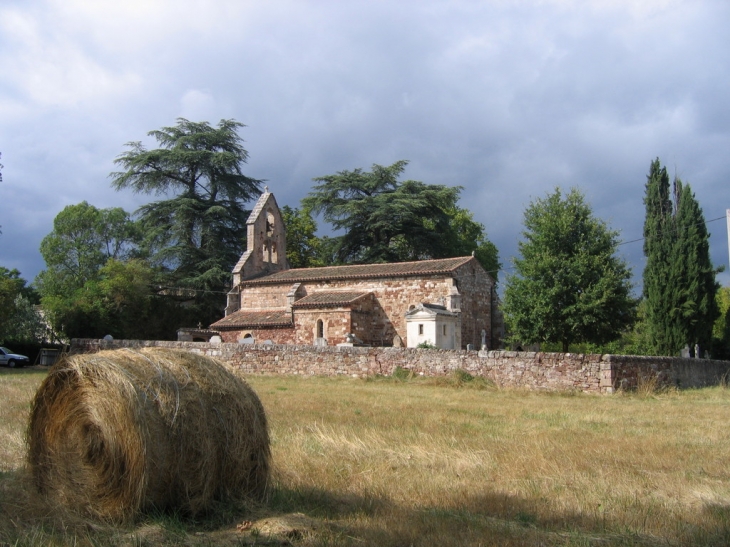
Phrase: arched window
(269,223)
(320,328)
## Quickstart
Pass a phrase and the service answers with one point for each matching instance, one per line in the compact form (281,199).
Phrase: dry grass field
(423,462)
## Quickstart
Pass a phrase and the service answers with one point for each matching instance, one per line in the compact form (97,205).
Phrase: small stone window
(420,328)
(320,328)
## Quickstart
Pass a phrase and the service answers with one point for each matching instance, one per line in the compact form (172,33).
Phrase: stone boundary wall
(589,373)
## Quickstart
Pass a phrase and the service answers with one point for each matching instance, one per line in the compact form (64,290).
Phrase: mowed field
(436,462)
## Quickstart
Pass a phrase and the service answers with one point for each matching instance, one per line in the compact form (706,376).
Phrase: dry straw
(118,432)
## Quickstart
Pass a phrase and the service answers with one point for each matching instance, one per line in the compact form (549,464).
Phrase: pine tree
(196,232)
(388,220)
(679,280)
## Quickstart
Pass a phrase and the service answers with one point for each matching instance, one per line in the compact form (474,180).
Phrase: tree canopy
(721,327)
(569,286)
(19,319)
(388,220)
(303,247)
(198,231)
(84,239)
(679,279)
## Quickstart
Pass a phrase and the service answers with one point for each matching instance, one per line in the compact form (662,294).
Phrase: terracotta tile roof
(254,319)
(393,269)
(329,299)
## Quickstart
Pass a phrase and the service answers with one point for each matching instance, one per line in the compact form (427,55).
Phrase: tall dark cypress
(679,280)
(694,306)
(657,249)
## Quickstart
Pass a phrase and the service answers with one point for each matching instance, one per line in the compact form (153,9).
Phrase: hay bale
(118,432)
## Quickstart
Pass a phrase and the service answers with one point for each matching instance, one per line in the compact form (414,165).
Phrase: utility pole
(727,215)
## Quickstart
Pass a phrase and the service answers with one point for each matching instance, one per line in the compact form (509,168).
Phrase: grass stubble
(411,461)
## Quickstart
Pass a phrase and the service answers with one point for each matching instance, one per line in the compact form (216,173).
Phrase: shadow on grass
(352,519)
(488,519)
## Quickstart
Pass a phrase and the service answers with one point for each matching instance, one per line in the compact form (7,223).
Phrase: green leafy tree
(466,236)
(303,247)
(633,340)
(11,285)
(27,325)
(387,220)
(721,327)
(20,322)
(83,240)
(679,279)
(121,300)
(197,232)
(569,287)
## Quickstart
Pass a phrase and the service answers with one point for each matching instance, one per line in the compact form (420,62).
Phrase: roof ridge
(259,206)
(343,266)
(356,271)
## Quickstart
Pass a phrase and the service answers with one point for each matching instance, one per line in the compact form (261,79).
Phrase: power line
(643,238)
(505,268)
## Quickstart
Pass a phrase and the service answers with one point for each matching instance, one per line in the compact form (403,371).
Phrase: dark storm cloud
(508,99)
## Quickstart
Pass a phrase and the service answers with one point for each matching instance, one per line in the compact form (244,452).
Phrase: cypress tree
(657,247)
(679,280)
(694,306)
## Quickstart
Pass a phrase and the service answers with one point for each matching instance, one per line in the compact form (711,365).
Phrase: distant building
(449,303)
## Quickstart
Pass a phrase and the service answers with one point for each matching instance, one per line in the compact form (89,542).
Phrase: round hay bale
(118,432)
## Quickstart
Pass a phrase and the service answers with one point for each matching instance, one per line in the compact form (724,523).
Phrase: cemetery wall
(531,370)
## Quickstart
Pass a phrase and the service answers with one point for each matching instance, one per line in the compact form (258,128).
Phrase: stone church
(450,303)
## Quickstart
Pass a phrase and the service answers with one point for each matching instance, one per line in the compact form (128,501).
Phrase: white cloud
(43,68)
(197,105)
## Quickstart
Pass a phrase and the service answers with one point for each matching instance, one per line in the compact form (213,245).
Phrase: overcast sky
(508,99)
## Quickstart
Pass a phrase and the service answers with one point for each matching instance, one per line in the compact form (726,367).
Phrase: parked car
(10,359)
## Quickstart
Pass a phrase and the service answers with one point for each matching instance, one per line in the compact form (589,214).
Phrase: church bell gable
(265,241)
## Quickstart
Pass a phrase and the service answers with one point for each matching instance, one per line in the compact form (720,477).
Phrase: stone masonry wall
(530,370)
(392,299)
(476,305)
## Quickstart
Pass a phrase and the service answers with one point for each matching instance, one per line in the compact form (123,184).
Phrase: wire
(643,238)
(503,269)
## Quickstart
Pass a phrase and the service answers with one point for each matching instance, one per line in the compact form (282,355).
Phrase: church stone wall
(264,297)
(393,297)
(336,324)
(476,287)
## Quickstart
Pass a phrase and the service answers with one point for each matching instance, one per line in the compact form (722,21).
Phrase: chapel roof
(254,319)
(430,309)
(329,299)
(359,271)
